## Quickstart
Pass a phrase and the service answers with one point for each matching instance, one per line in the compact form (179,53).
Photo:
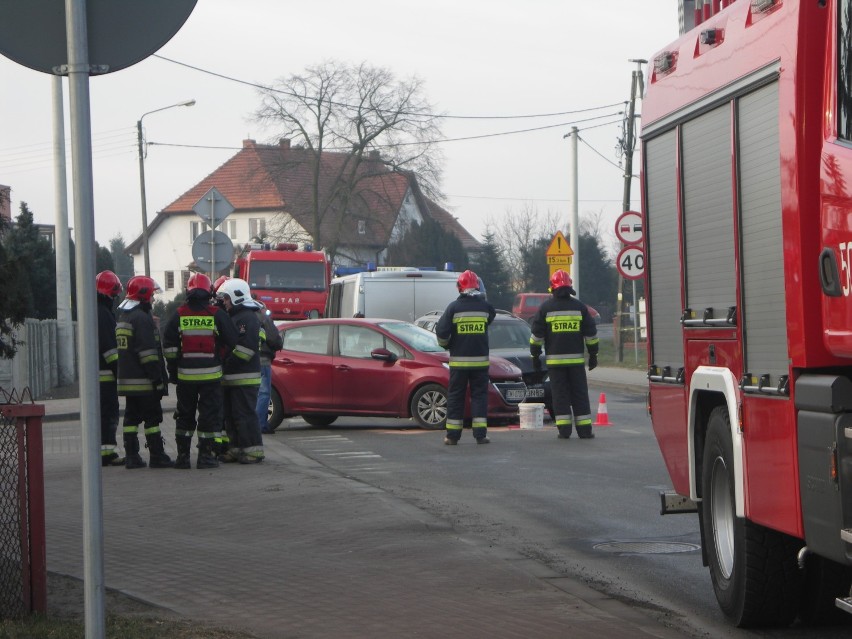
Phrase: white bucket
(532,415)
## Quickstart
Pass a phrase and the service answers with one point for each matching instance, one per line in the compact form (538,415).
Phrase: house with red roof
(276,199)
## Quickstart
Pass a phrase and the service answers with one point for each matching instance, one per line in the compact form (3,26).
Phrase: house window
(196,229)
(257,228)
(184,278)
(170,280)
(230,228)
(362,227)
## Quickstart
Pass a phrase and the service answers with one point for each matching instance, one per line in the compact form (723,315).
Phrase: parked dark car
(377,368)
(509,338)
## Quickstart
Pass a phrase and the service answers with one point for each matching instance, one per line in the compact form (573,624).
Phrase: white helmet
(236,289)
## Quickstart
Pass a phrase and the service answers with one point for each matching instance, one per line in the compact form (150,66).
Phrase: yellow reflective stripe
(243,353)
(591,341)
(536,341)
(455,424)
(564,361)
(111,355)
(106,376)
(152,430)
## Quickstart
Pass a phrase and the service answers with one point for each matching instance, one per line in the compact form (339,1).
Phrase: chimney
(284,143)
(249,143)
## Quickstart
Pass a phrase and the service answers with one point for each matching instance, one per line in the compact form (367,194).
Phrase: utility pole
(628,145)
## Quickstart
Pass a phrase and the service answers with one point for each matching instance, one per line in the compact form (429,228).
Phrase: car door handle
(286,361)
(343,367)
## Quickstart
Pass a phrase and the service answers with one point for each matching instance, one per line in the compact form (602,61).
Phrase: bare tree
(520,233)
(371,122)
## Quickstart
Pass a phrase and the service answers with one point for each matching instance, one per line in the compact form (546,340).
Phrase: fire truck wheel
(753,569)
(429,407)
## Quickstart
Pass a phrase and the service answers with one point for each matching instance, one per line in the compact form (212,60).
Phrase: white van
(400,294)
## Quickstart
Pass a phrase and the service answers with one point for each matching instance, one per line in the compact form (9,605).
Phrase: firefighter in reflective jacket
(194,340)
(463,330)
(108,286)
(241,379)
(563,326)
(142,376)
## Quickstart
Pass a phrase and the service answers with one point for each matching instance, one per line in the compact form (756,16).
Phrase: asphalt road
(586,507)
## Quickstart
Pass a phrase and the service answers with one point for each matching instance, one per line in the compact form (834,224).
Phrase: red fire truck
(292,283)
(747,204)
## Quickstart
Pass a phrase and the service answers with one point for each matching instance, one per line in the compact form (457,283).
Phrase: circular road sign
(628,228)
(120,32)
(208,243)
(631,262)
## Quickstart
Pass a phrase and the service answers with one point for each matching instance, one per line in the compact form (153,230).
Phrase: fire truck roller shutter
(709,213)
(764,315)
(664,245)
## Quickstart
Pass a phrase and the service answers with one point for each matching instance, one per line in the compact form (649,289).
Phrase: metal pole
(64,327)
(141,148)
(212,238)
(142,191)
(575,212)
(84,223)
(635,324)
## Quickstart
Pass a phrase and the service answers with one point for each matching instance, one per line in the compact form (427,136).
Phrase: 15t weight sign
(631,262)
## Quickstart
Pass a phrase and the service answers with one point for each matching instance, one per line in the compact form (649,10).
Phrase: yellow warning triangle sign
(559,246)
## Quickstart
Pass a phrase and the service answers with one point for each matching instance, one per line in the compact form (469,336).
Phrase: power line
(264,87)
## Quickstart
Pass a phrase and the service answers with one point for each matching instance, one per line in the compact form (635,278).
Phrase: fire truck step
(844,603)
(846,535)
(673,504)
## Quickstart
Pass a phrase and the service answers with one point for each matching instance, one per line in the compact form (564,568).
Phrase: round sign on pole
(628,228)
(631,262)
(213,251)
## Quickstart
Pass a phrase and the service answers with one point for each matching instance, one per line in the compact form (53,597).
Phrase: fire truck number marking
(845,270)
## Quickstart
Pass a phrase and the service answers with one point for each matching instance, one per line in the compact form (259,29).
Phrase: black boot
(206,457)
(183,445)
(157,454)
(132,459)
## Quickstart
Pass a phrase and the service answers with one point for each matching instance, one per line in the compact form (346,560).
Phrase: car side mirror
(383,354)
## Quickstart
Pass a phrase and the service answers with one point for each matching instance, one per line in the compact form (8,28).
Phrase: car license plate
(516,393)
(535,392)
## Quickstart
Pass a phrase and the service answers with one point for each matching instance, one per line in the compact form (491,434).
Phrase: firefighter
(562,325)
(241,378)
(270,343)
(108,287)
(142,376)
(463,330)
(194,341)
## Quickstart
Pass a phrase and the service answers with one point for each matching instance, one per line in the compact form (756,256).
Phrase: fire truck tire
(429,407)
(753,569)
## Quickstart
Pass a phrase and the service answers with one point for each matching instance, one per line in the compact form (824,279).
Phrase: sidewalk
(290,548)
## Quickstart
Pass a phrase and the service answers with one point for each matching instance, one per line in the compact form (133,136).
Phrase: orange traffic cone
(603,416)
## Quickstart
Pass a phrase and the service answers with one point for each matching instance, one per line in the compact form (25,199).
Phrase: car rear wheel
(276,410)
(429,407)
(319,420)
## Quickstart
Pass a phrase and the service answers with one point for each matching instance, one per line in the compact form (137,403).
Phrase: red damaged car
(374,368)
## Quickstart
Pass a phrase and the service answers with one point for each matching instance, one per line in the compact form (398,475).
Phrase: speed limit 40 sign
(631,262)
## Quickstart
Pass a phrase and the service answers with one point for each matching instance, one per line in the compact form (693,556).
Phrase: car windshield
(416,338)
(509,334)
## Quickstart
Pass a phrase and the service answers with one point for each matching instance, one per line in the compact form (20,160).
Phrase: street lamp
(142,178)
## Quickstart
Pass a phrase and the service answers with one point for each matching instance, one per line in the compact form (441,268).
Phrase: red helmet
(468,280)
(108,283)
(560,279)
(200,281)
(142,288)
(219,281)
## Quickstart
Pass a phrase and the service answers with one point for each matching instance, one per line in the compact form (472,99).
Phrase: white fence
(35,365)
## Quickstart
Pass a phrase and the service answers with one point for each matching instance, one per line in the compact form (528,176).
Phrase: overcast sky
(476,57)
